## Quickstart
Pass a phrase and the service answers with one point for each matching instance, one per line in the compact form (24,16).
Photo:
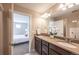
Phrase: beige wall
(35,21)
(6,28)
(1,33)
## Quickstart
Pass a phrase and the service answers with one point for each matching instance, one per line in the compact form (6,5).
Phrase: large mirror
(56,27)
(65,27)
(72,28)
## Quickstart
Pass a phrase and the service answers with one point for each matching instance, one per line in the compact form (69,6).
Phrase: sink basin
(67,44)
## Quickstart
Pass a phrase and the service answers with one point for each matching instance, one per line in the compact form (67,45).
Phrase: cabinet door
(38,45)
(45,43)
(44,48)
(52,52)
(44,53)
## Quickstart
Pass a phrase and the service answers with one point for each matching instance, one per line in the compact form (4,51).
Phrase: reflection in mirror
(56,27)
(72,28)
(65,24)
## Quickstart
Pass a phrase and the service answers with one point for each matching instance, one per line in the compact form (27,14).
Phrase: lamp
(45,15)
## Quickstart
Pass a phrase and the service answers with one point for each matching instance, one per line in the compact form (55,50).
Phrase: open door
(20,42)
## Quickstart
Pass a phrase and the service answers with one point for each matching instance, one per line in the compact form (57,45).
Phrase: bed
(20,39)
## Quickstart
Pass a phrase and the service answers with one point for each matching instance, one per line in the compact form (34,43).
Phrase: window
(20,24)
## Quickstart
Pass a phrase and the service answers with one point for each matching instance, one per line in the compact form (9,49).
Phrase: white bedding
(19,39)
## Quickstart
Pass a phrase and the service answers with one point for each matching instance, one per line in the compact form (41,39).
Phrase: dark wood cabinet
(45,48)
(45,43)
(60,51)
(38,45)
(53,52)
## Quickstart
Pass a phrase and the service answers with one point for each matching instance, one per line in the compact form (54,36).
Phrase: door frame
(30,27)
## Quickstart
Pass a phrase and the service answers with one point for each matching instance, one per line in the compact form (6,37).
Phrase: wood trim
(1,7)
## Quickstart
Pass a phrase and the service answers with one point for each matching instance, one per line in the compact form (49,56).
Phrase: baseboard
(20,43)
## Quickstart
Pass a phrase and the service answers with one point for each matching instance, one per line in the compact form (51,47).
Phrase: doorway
(20,42)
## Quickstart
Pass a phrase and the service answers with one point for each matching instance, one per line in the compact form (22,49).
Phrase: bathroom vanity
(63,26)
(44,45)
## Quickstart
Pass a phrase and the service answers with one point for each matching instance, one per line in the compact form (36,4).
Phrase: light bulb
(70,5)
(61,6)
(74,21)
(64,8)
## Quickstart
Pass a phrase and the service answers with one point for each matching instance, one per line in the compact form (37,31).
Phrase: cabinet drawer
(38,45)
(44,43)
(59,50)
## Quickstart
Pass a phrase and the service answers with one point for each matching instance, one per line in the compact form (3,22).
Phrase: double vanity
(45,45)
(65,27)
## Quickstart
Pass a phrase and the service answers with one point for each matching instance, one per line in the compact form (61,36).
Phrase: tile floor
(22,49)
(32,53)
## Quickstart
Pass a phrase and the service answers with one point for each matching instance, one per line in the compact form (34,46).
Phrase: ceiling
(37,7)
(42,7)
(68,11)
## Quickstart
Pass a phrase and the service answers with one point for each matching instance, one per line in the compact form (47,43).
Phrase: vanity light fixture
(61,6)
(70,5)
(45,15)
(64,6)
(74,21)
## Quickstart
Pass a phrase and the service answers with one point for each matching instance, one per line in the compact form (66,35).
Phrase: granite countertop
(56,40)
